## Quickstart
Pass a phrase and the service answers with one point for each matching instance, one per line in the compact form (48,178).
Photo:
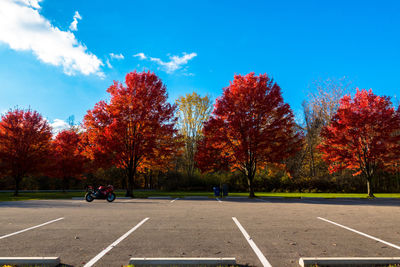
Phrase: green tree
(193,111)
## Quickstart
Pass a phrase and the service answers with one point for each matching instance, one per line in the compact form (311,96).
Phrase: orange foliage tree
(24,144)
(67,160)
(250,126)
(135,129)
(362,136)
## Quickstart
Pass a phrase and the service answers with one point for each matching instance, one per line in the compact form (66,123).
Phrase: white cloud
(31,3)
(74,23)
(174,64)
(117,56)
(23,28)
(108,63)
(140,55)
(59,125)
(114,56)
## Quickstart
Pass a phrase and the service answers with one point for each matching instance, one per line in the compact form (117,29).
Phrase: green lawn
(40,195)
(322,195)
(69,195)
(145,194)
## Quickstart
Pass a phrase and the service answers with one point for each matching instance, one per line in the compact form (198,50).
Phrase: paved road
(282,229)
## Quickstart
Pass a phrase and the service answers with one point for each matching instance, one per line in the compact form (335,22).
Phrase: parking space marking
(116,242)
(360,233)
(218,200)
(174,200)
(253,245)
(30,228)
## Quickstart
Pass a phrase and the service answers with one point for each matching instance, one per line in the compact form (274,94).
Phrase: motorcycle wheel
(89,197)
(111,197)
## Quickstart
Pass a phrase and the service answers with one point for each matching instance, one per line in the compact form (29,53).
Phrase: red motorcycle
(102,192)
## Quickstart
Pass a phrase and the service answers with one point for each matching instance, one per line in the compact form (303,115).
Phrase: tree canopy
(136,128)
(24,144)
(250,126)
(362,136)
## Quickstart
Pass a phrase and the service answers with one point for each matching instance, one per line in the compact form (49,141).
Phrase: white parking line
(253,245)
(30,228)
(174,200)
(360,233)
(218,200)
(116,242)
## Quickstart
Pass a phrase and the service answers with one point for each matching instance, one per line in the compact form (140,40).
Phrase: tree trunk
(131,176)
(64,184)
(17,181)
(146,179)
(129,189)
(250,179)
(124,182)
(369,187)
(312,167)
(151,180)
(190,157)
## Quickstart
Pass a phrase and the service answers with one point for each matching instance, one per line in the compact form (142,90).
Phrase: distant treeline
(247,138)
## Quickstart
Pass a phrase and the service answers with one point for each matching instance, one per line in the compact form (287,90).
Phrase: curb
(181,261)
(351,261)
(159,197)
(42,261)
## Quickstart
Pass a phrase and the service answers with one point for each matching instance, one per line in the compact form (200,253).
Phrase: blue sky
(59,57)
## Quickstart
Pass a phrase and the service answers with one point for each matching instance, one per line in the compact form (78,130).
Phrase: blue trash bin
(216,191)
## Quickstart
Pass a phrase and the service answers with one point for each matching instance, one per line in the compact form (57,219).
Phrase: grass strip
(181,194)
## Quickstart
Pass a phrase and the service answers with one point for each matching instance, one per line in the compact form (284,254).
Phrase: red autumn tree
(249,127)
(67,159)
(135,128)
(24,144)
(362,136)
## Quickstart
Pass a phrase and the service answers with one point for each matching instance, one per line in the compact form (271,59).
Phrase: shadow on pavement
(321,201)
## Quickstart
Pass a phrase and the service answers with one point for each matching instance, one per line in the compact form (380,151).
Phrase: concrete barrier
(351,261)
(30,261)
(181,261)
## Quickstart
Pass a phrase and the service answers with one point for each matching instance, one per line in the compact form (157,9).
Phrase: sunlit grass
(179,194)
(44,195)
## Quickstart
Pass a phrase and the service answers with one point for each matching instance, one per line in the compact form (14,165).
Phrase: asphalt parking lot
(281,230)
